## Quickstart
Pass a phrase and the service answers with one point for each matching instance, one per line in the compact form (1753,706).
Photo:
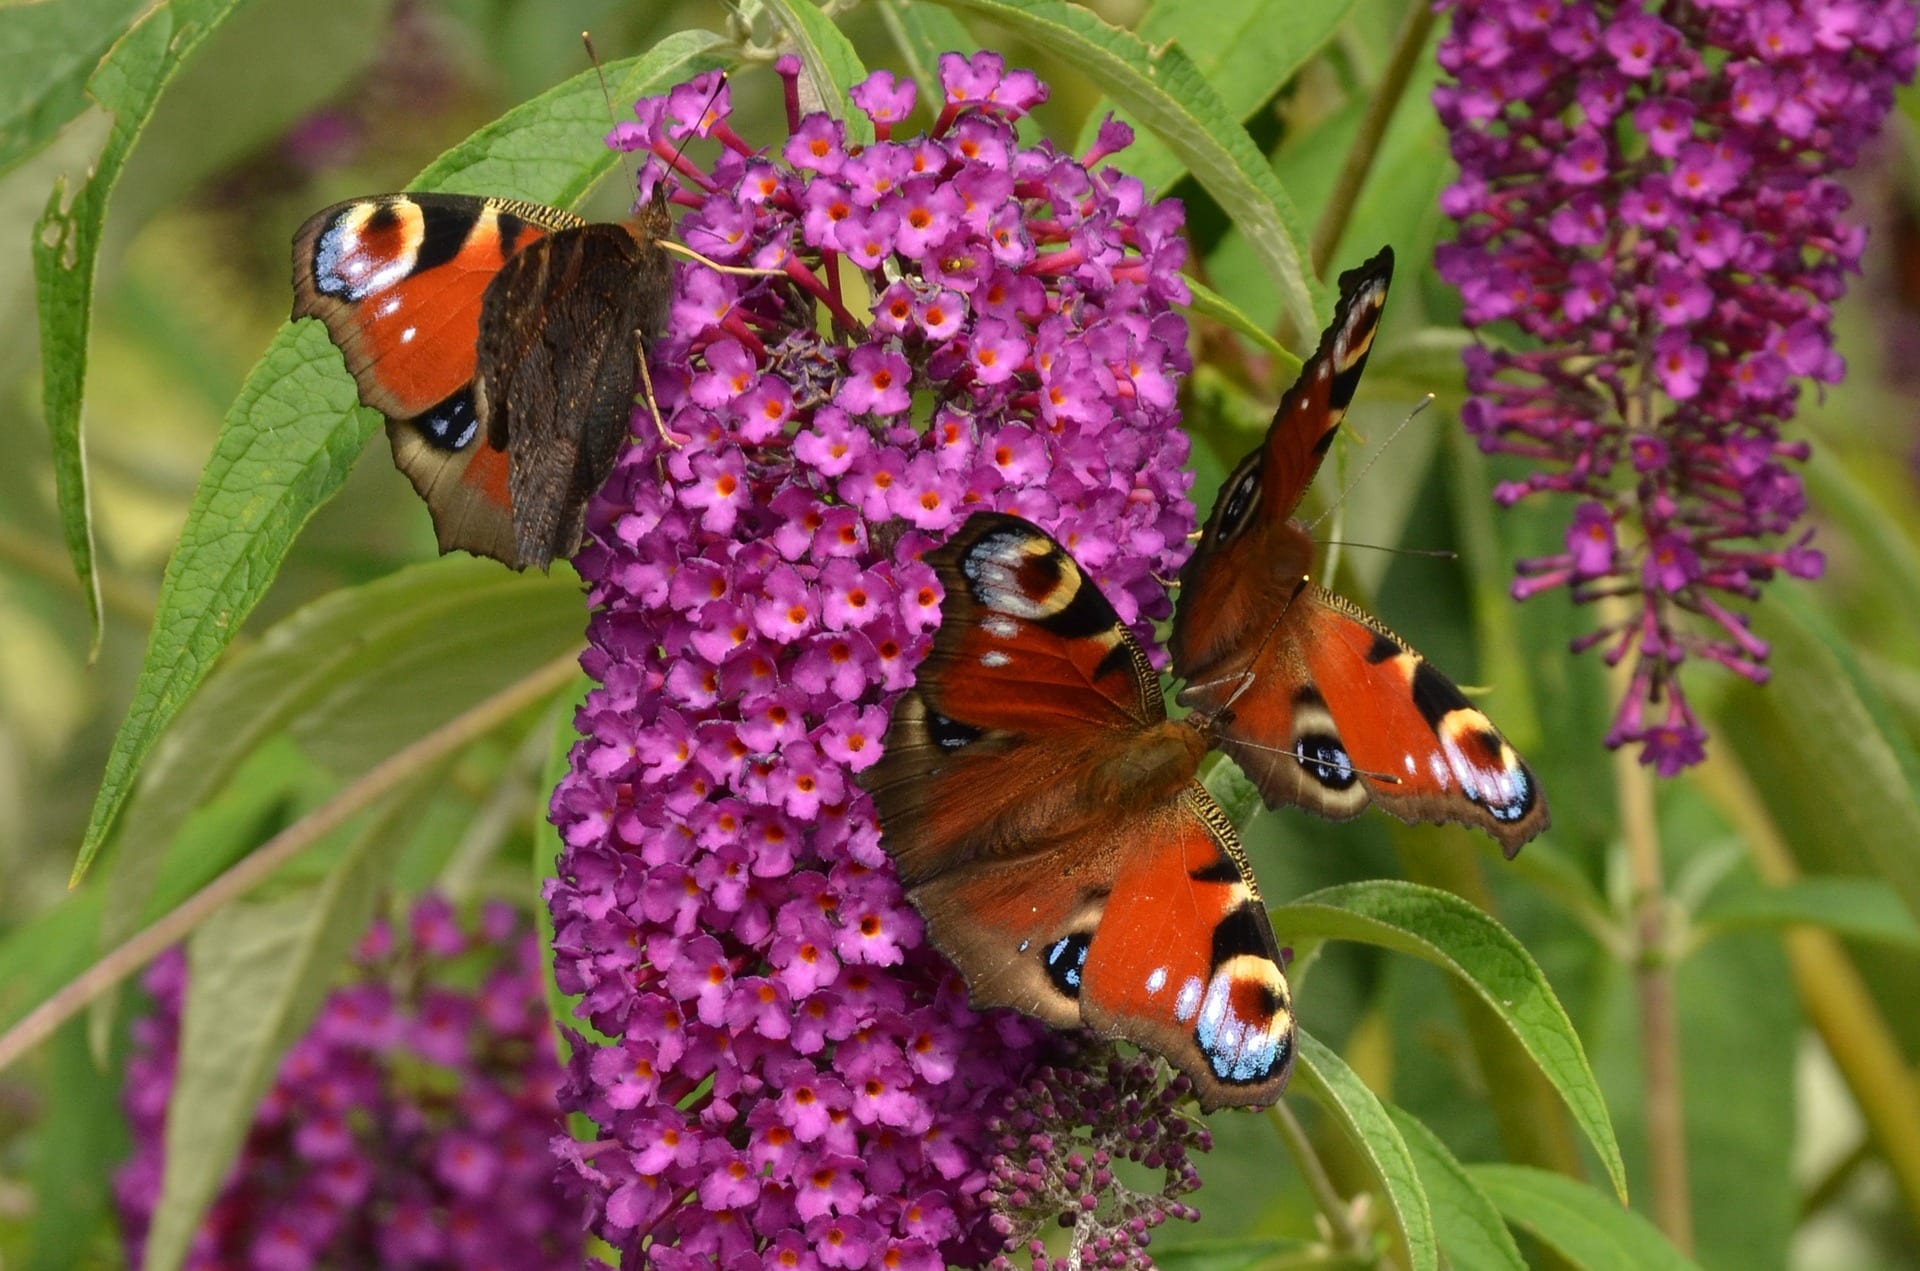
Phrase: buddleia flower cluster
(781,1072)
(1059,1141)
(409,1128)
(1646,191)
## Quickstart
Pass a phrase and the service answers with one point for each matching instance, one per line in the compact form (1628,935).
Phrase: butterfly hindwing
(1145,930)
(1343,712)
(1043,814)
(1318,702)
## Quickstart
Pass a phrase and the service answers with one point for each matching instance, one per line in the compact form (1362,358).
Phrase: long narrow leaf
(1467,1222)
(1247,49)
(1364,1120)
(1445,930)
(257,974)
(1583,1225)
(66,249)
(830,60)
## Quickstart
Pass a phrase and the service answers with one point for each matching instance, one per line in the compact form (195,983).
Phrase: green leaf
(830,60)
(289,440)
(1469,1226)
(284,449)
(1247,49)
(66,248)
(257,974)
(1585,1227)
(1209,303)
(356,675)
(1864,908)
(1364,1120)
(552,149)
(1843,741)
(1173,100)
(1445,930)
(47,51)
(922,32)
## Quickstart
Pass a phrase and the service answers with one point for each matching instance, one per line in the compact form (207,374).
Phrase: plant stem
(1659,1022)
(382,779)
(1409,45)
(1326,1197)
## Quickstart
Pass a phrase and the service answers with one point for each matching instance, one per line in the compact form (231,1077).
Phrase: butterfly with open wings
(502,340)
(1043,810)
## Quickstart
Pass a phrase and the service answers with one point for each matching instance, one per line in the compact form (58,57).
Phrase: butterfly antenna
(593,56)
(1441,553)
(1371,460)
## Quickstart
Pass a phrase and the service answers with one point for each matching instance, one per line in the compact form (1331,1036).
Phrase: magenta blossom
(1645,190)
(784,1073)
(408,1128)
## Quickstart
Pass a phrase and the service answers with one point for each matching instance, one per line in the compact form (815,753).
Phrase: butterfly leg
(667,435)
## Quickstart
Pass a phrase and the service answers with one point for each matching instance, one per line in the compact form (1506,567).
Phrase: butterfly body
(501,339)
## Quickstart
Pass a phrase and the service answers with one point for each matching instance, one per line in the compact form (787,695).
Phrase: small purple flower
(787,1070)
(1676,279)
(408,1128)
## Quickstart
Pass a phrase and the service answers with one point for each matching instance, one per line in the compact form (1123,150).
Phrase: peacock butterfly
(502,340)
(1046,822)
(1320,704)
(1042,809)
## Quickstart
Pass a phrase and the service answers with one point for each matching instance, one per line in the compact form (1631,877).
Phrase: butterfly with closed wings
(502,340)
(1043,810)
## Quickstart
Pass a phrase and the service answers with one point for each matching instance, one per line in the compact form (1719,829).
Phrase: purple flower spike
(410,1127)
(1646,190)
(786,1071)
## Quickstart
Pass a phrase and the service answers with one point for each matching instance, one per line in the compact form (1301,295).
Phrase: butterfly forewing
(398,280)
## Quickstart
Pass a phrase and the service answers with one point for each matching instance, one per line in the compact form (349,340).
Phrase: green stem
(1348,1238)
(1653,982)
(1409,45)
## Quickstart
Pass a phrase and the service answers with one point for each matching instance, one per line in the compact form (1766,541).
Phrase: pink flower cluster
(1645,190)
(782,1073)
(410,1127)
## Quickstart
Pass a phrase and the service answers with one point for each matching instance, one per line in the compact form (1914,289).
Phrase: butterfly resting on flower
(1045,813)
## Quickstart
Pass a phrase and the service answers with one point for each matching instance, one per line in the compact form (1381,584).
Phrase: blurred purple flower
(389,1138)
(785,1068)
(1644,190)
